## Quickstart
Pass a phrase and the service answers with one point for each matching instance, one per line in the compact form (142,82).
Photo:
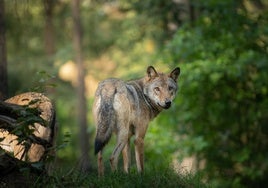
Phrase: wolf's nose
(168,103)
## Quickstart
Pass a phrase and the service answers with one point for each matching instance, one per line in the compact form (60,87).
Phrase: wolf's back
(105,115)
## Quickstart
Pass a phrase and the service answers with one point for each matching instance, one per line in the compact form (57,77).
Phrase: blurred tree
(49,27)
(82,103)
(3,53)
(165,17)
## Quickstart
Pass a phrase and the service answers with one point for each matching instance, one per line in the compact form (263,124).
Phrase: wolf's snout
(168,103)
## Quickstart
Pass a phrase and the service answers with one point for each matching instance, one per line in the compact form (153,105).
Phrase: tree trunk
(49,27)
(82,109)
(49,36)
(3,56)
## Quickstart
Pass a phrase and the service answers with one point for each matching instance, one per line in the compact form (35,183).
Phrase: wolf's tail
(105,123)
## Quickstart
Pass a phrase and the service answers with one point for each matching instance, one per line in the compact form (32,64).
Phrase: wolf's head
(161,88)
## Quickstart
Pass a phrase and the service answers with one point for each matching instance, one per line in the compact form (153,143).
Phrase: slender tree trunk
(49,27)
(82,109)
(49,36)
(3,53)
(193,12)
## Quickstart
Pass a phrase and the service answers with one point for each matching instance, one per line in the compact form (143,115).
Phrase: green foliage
(161,142)
(156,17)
(223,103)
(24,126)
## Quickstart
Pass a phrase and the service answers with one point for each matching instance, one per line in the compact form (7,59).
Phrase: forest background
(220,117)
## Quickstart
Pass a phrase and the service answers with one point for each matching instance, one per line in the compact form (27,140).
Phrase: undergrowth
(157,178)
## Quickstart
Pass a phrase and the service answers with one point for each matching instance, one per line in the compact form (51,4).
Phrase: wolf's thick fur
(126,108)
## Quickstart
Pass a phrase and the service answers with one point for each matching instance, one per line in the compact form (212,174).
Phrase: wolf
(126,108)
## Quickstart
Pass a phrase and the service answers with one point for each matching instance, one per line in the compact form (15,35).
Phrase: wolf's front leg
(100,164)
(139,153)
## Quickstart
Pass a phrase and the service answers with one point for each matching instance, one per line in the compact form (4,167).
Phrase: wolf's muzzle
(168,104)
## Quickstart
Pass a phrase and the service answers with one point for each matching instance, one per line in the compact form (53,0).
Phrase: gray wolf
(126,108)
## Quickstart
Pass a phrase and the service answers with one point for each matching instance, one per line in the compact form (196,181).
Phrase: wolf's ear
(175,74)
(151,72)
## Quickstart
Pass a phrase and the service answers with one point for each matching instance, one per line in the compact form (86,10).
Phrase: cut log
(27,130)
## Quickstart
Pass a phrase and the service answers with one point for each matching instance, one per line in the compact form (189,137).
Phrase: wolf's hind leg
(126,156)
(121,142)
(100,164)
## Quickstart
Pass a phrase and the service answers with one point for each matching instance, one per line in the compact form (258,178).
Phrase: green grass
(152,177)
(157,178)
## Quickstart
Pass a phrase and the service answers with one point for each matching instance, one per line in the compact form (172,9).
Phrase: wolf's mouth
(166,106)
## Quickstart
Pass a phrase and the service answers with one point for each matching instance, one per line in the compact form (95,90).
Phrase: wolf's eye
(170,88)
(157,89)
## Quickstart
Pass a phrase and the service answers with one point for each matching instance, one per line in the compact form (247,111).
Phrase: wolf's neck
(154,110)
(139,86)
